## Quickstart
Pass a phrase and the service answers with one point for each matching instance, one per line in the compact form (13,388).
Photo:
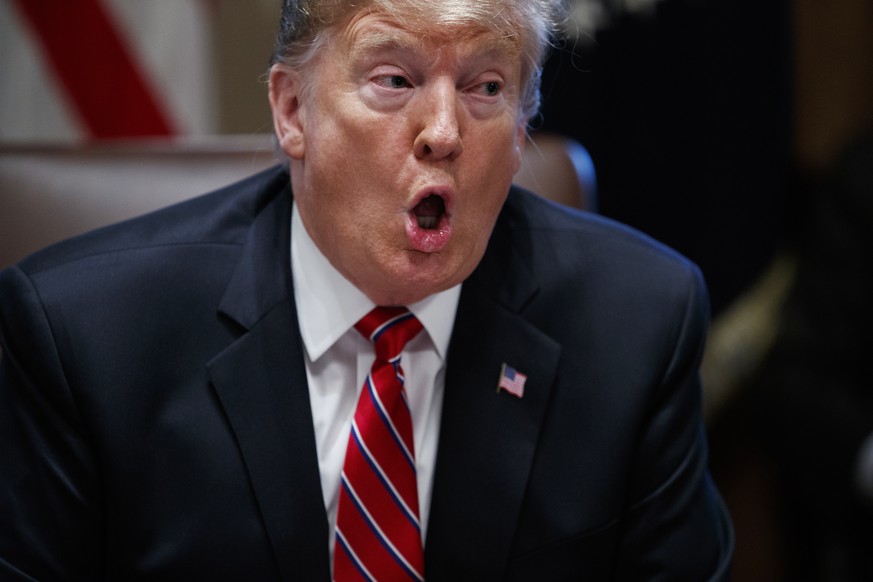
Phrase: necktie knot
(389,328)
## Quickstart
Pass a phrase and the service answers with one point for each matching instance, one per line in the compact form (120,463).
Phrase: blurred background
(736,131)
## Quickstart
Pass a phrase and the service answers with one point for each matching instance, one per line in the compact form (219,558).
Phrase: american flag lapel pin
(511,380)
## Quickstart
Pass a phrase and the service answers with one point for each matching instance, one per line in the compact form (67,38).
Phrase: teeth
(427,222)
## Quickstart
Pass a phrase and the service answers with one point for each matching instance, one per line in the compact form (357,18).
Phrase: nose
(439,135)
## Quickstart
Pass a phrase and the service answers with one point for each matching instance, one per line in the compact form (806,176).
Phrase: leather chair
(48,193)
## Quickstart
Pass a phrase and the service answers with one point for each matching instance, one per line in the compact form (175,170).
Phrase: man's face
(403,151)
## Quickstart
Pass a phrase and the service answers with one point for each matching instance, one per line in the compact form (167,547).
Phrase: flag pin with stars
(511,380)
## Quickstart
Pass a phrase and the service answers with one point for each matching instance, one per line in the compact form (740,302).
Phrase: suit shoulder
(221,217)
(590,242)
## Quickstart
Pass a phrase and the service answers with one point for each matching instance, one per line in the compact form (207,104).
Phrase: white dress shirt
(338,360)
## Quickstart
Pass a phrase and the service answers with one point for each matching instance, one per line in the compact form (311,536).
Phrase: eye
(489,88)
(393,81)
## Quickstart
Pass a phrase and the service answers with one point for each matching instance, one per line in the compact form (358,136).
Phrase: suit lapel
(261,382)
(488,438)
(487,441)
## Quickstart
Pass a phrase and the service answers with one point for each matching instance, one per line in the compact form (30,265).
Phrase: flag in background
(78,70)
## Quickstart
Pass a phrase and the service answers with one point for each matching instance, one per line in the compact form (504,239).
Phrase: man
(182,395)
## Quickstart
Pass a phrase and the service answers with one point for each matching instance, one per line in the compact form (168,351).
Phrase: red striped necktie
(378,533)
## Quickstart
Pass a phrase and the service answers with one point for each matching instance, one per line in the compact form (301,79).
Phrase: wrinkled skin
(402,151)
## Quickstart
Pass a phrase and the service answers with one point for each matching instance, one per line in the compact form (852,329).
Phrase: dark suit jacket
(156,424)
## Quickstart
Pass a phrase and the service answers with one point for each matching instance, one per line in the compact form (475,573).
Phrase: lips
(428,225)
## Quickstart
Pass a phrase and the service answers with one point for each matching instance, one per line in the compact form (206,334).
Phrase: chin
(413,284)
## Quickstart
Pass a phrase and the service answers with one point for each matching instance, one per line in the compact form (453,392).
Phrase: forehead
(370,31)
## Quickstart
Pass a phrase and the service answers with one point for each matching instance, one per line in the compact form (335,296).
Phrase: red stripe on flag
(96,69)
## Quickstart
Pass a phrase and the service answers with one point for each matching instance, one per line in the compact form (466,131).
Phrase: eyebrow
(378,40)
(382,39)
(387,36)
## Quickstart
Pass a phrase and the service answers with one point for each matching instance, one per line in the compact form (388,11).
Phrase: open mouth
(429,223)
(429,211)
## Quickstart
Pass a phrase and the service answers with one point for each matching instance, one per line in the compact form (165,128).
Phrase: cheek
(502,156)
(358,149)
(482,209)
(518,152)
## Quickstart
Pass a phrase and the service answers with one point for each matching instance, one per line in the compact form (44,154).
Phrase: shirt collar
(328,305)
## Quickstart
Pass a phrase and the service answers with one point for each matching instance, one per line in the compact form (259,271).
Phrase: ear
(285,101)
